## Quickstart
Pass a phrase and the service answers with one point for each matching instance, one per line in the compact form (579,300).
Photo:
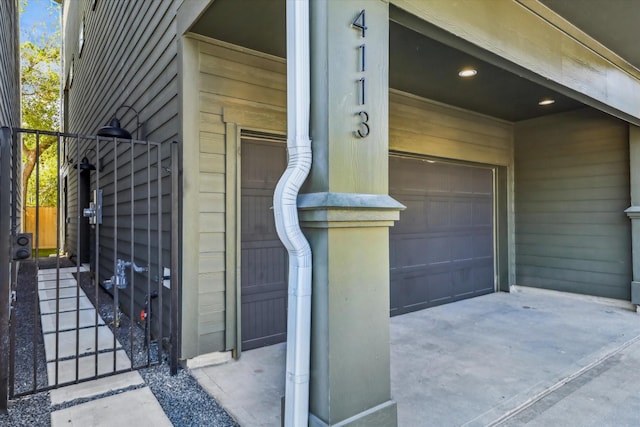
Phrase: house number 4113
(359,24)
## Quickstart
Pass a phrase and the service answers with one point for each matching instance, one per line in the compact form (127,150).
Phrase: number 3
(364,131)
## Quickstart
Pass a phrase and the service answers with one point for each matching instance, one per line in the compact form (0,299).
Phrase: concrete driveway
(528,357)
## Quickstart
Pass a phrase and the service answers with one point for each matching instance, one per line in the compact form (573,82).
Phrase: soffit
(417,64)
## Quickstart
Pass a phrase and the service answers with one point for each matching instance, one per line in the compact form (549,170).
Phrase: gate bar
(16,186)
(132,278)
(160,259)
(175,291)
(5,266)
(36,240)
(96,260)
(148,299)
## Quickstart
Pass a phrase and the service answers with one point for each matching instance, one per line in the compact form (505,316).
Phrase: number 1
(362,60)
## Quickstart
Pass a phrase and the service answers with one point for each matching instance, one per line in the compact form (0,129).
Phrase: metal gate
(104,298)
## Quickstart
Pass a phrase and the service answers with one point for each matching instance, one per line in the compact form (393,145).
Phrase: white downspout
(286,215)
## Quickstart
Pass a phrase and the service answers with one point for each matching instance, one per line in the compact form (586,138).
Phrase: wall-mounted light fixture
(85,164)
(114,130)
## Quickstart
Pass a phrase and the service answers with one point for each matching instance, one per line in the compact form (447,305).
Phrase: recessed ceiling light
(546,101)
(467,72)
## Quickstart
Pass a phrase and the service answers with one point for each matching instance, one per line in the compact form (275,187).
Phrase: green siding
(571,190)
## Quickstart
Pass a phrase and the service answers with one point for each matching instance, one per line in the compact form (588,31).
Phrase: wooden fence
(48,225)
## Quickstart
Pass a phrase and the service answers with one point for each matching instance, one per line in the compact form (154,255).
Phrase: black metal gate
(94,290)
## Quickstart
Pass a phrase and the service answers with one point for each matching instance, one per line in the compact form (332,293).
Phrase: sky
(37,17)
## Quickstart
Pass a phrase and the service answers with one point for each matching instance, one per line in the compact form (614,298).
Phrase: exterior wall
(129,56)
(572,187)
(238,90)
(424,127)
(10,82)
(233,96)
(9,65)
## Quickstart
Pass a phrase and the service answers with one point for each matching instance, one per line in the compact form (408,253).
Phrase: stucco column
(346,214)
(634,211)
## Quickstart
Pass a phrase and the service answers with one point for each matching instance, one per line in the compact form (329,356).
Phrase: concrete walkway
(64,306)
(525,358)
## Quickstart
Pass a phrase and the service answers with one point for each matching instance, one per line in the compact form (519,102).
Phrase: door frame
(234,135)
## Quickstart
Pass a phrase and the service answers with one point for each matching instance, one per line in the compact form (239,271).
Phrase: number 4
(359,23)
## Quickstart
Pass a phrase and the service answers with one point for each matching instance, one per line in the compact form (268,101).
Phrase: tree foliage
(40,75)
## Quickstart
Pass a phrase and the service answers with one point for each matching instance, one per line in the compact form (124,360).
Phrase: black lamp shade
(114,130)
(85,165)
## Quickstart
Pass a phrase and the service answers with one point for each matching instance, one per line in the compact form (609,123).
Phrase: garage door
(263,258)
(441,250)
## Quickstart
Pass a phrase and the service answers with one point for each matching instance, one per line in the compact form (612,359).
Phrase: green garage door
(442,248)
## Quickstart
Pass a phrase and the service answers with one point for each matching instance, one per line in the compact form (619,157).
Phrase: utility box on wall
(22,246)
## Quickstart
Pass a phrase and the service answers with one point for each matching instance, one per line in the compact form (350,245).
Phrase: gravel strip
(183,400)
(31,410)
(28,330)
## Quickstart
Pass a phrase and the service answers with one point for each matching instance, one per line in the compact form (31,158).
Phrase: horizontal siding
(129,58)
(423,127)
(10,97)
(572,187)
(9,65)
(235,86)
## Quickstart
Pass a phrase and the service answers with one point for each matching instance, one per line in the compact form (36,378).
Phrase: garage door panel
(482,181)
(440,287)
(414,289)
(263,259)
(413,217)
(461,213)
(483,245)
(444,252)
(263,265)
(257,222)
(484,275)
(482,213)
(460,178)
(264,321)
(415,295)
(437,214)
(460,247)
(409,252)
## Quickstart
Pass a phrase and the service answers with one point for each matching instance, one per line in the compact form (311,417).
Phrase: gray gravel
(28,411)
(183,400)
(181,397)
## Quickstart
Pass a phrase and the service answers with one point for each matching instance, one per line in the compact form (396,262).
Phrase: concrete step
(133,408)
(91,389)
(87,366)
(86,339)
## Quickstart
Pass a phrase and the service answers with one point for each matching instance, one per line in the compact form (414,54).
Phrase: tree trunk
(30,157)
